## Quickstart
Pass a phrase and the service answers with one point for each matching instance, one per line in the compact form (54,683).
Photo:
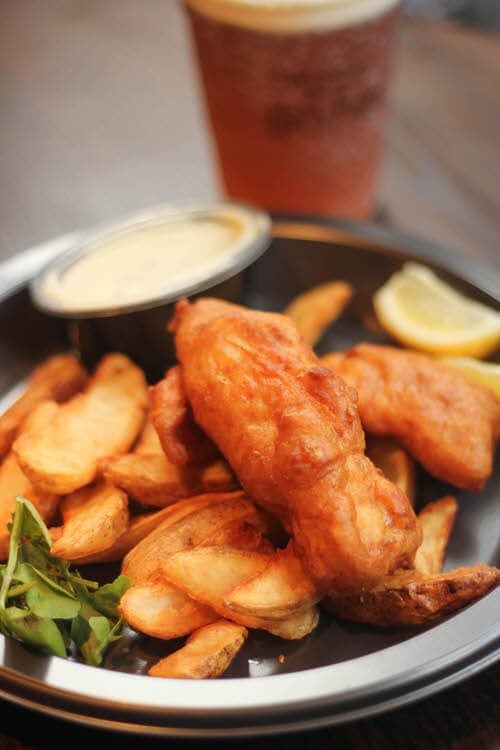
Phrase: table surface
(101,115)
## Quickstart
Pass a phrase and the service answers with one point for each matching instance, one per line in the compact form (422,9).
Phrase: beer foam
(292,16)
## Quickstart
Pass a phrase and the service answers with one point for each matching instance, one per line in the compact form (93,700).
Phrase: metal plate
(341,671)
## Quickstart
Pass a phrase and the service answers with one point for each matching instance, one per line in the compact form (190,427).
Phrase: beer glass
(296,92)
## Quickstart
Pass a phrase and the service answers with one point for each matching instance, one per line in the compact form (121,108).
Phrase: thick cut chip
(56,379)
(410,598)
(153,480)
(148,442)
(163,611)
(244,533)
(139,527)
(182,440)
(436,520)
(93,519)
(281,589)
(192,522)
(208,574)
(394,463)
(102,421)
(207,653)
(14,482)
(317,308)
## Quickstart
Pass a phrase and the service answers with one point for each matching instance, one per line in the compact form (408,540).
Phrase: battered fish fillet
(290,430)
(181,439)
(447,422)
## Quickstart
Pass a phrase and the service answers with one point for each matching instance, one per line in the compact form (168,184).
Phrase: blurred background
(101,115)
(484,13)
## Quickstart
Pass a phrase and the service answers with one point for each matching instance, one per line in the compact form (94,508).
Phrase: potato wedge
(281,589)
(153,480)
(58,378)
(436,520)
(208,652)
(207,574)
(394,463)
(243,533)
(139,527)
(13,481)
(317,308)
(191,523)
(411,598)
(182,440)
(246,532)
(163,611)
(93,519)
(148,442)
(102,421)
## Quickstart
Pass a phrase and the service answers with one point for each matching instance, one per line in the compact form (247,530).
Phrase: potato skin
(103,420)
(208,652)
(410,598)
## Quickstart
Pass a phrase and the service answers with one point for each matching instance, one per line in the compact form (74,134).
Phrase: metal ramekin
(138,329)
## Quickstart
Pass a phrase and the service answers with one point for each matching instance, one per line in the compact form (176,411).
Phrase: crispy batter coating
(290,430)
(447,422)
(183,442)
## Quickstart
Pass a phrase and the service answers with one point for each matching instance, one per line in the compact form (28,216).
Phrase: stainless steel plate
(341,671)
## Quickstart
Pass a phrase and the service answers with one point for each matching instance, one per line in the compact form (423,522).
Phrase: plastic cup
(296,92)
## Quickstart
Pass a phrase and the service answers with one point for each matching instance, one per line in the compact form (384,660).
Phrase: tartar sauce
(148,261)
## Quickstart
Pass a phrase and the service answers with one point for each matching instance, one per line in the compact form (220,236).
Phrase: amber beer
(296,92)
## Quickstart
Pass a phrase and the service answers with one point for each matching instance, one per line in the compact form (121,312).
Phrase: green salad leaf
(48,606)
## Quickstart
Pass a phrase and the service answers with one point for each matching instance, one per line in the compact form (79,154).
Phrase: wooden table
(101,115)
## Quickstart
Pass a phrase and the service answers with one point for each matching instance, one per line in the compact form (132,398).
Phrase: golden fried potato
(281,589)
(14,482)
(163,611)
(411,598)
(192,522)
(244,533)
(93,519)
(394,463)
(183,442)
(56,379)
(317,308)
(436,520)
(153,480)
(102,421)
(208,574)
(148,442)
(139,527)
(208,652)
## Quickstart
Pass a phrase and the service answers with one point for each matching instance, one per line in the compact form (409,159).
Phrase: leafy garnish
(48,606)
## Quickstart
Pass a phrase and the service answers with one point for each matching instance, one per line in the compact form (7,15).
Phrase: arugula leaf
(45,604)
(107,598)
(45,598)
(41,634)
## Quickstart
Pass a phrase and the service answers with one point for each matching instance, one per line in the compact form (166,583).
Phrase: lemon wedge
(484,373)
(423,312)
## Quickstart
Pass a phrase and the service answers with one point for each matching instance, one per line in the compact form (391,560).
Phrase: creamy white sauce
(145,263)
(281,16)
